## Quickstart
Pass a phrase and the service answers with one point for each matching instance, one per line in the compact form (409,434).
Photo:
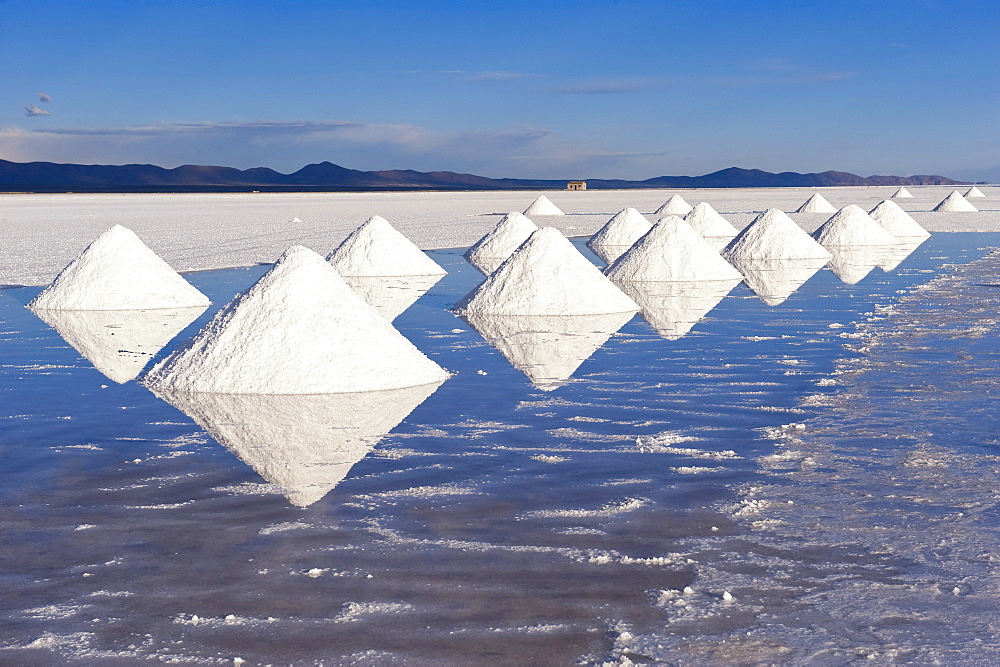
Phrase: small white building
(576,185)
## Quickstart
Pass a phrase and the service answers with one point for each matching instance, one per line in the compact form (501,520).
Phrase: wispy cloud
(43,97)
(611,86)
(32,110)
(774,76)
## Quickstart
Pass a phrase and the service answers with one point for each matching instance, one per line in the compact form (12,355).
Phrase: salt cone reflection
(391,295)
(547,348)
(852,263)
(895,256)
(609,253)
(119,343)
(673,308)
(774,280)
(304,443)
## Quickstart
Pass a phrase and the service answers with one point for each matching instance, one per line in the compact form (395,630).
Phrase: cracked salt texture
(955,203)
(499,243)
(543,206)
(896,221)
(674,206)
(619,234)
(118,272)
(299,330)
(816,204)
(671,251)
(706,221)
(547,276)
(376,248)
(851,226)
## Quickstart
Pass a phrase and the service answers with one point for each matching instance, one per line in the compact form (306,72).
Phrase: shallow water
(811,459)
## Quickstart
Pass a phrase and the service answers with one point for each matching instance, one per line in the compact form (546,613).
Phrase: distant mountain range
(329,177)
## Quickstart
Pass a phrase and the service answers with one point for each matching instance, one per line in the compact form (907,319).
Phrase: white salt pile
(671,251)
(851,226)
(706,221)
(816,204)
(896,221)
(299,330)
(902,193)
(499,243)
(119,343)
(954,203)
(543,206)
(305,444)
(673,308)
(547,349)
(547,276)
(376,248)
(974,192)
(674,206)
(619,234)
(118,272)
(773,235)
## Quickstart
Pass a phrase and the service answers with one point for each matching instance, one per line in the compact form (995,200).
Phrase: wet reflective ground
(503,522)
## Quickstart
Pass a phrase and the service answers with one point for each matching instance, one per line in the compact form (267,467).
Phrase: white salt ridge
(299,330)
(974,192)
(376,248)
(619,234)
(671,251)
(896,221)
(499,243)
(674,206)
(547,276)
(955,203)
(118,272)
(706,221)
(902,193)
(816,204)
(772,236)
(543,206)
(851,226)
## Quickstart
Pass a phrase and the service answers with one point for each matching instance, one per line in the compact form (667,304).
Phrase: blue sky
(523,89)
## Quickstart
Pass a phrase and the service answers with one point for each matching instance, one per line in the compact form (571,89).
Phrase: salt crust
(499,243)
(772,236)
(851,226)
(902,193)
(119,343)
(305,444)
(543,206)
(118,272)
(816,204)
(674,206)
(547,276)
(299,330)
(955,203)
(376,248)
(547,349)
(618,234)
(671,251)
(896,221)
(974,192)
(706,221)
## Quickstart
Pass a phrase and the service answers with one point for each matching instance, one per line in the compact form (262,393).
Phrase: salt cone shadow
(119,343)
(547,348)
(305,444)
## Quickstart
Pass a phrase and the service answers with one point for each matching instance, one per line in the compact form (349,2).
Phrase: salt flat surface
(43,232)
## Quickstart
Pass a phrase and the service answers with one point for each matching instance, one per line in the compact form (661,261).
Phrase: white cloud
(43,97)
(32,110)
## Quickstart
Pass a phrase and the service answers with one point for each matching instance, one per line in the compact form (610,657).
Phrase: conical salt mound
(542,206)
(896,221)
(377,249)
(118,272)
(500,242)
(954,203)
(974,192)
(816,204)
(902,193)
(618,234)
(851,226)
(674,206)
(706,221)
(671,251)
(299,330)
(306,444)
(773,236)
(547,276)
